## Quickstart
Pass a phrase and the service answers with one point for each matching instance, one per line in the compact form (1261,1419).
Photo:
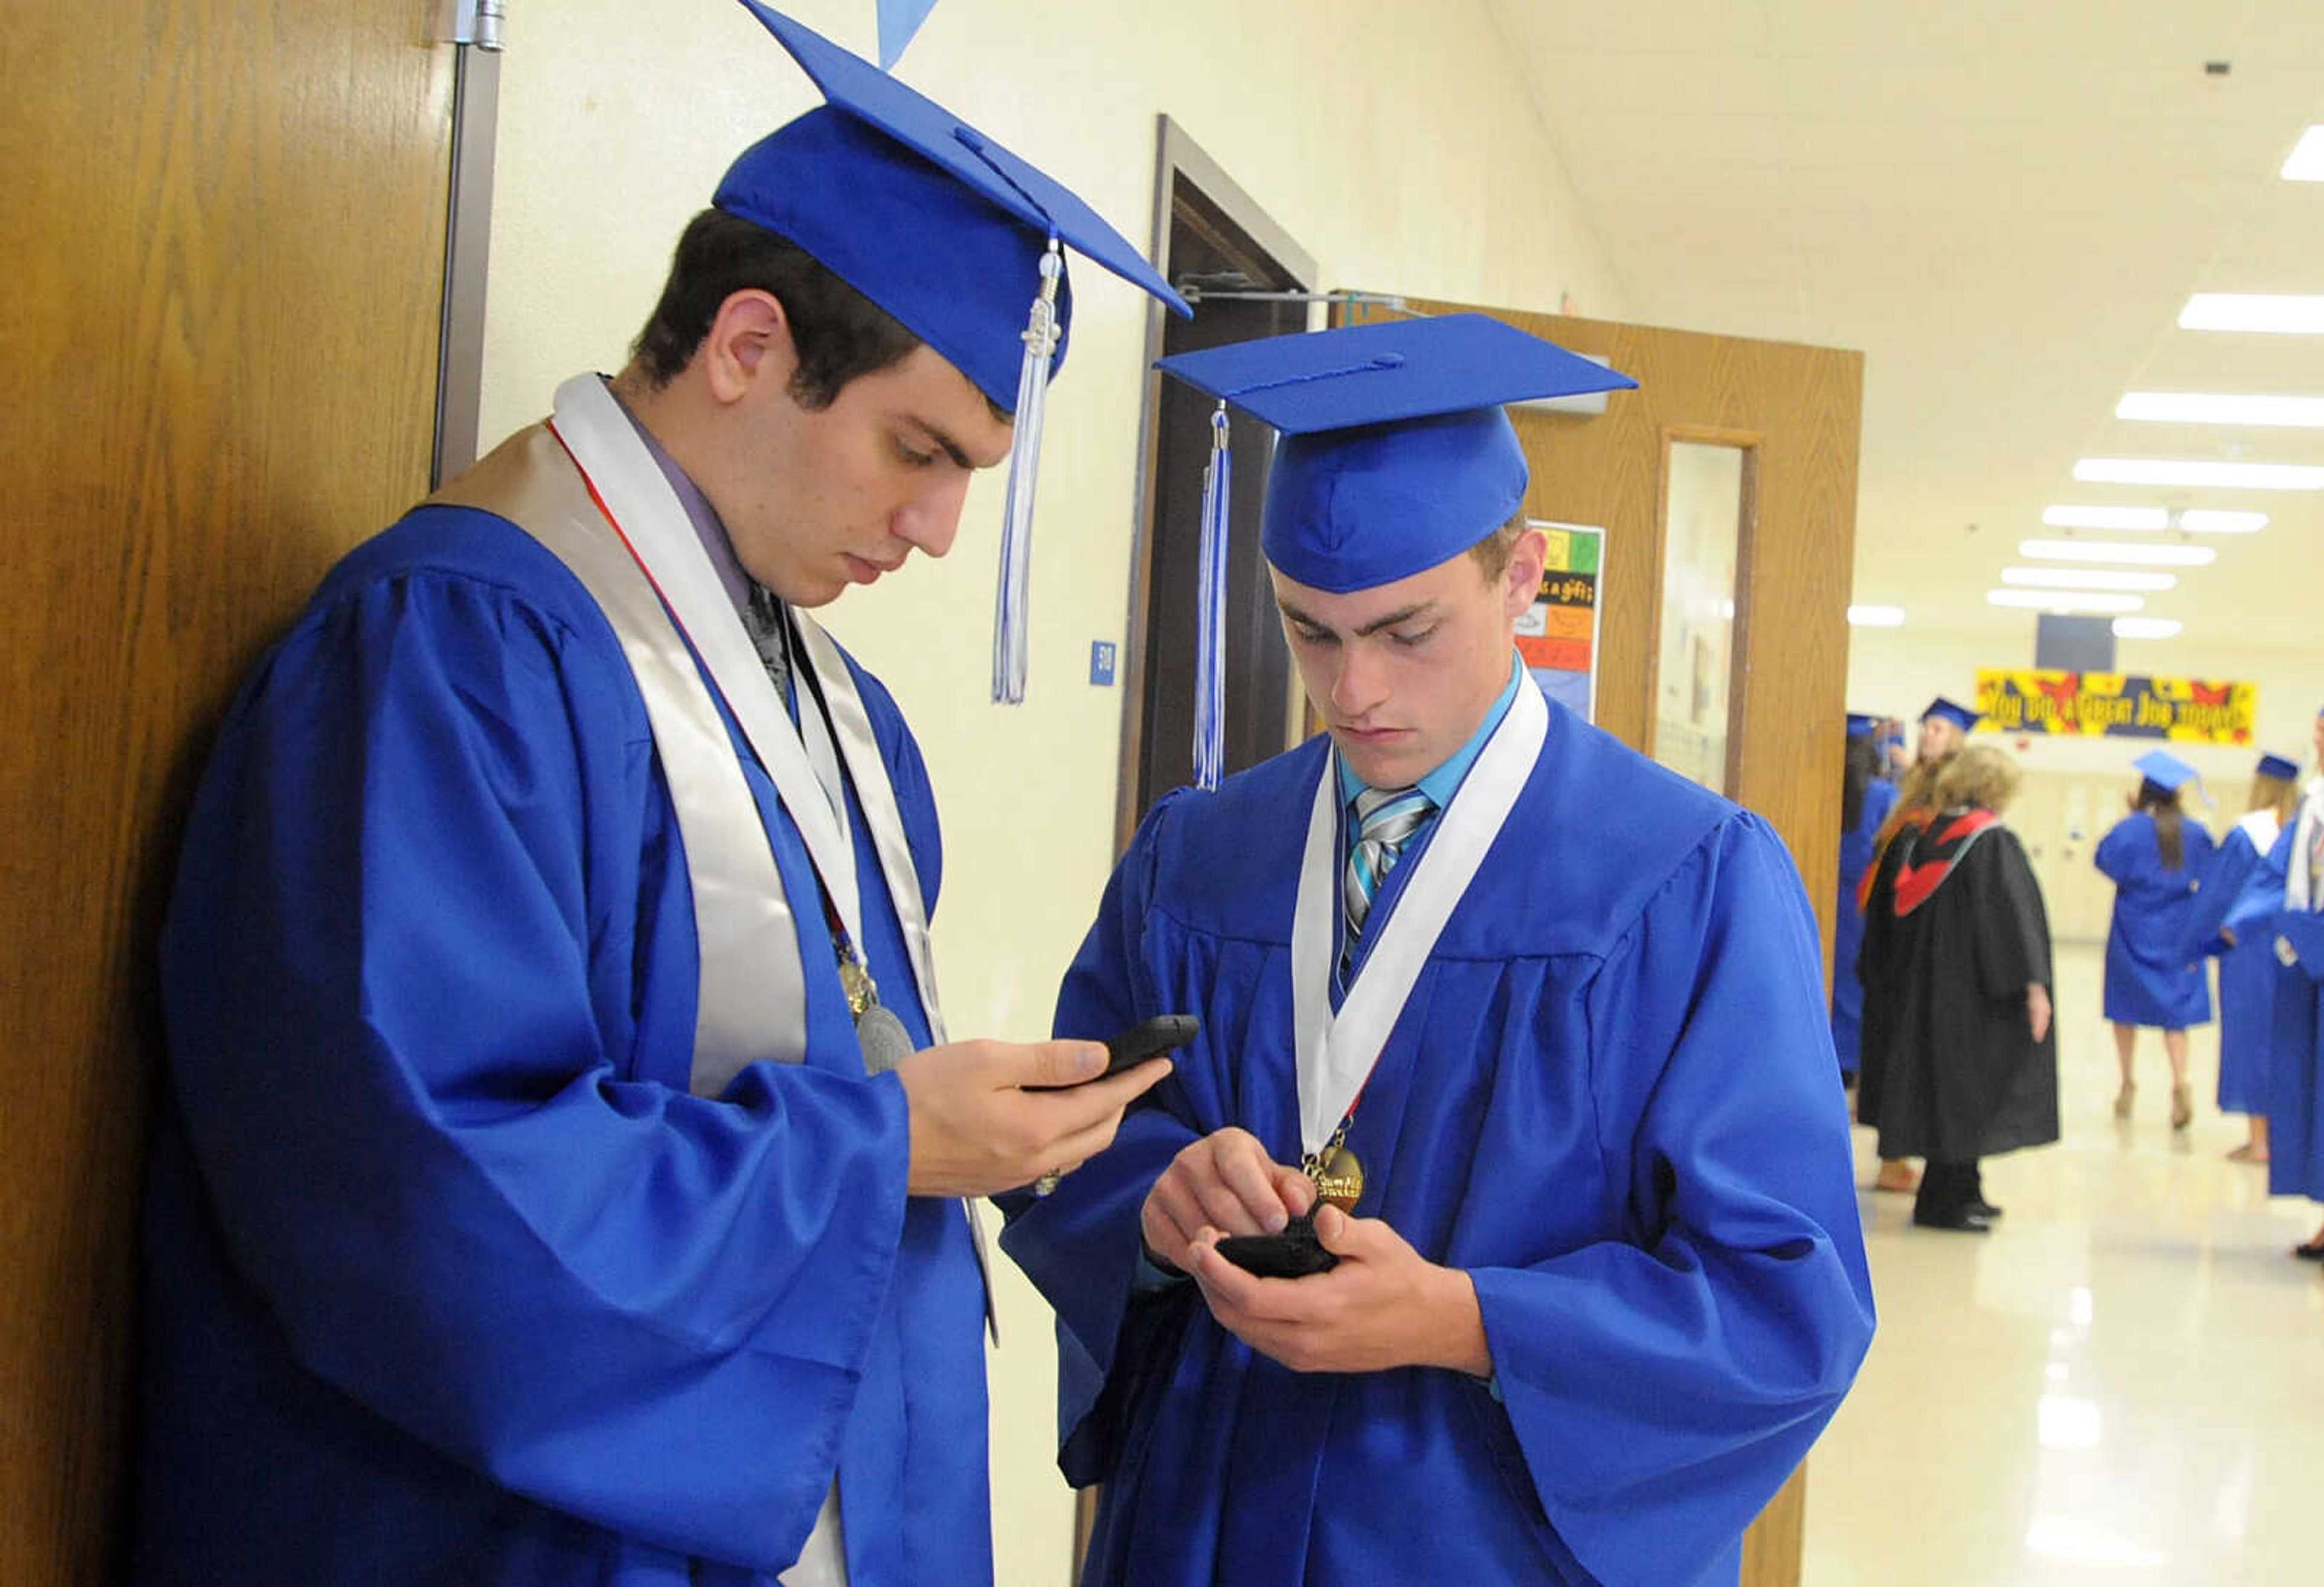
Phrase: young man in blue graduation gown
(1563,1057)
(557,1177)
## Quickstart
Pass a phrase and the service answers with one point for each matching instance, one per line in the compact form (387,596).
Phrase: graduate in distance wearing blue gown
(2295,1091)
(1563,1062)
(2156,859)
(1865,799)
(2239,888)
(557,1176)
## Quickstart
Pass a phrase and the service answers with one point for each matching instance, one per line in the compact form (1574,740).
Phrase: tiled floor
(2123,1384)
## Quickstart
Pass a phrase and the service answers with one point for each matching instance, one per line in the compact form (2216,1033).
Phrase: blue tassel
(1210,607)
(1009,624)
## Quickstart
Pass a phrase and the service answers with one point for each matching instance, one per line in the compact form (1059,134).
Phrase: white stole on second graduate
(1336,1051)
(2299,866)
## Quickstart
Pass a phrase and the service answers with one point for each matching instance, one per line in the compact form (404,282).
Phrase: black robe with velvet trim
(1954,933)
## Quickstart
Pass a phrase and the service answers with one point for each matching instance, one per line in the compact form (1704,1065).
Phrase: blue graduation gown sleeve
(1663,1384)
(430,981)
(2233,864)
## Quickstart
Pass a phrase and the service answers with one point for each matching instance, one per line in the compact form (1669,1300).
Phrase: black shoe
(2313,1250)
(1967,1221)
(1984,1209)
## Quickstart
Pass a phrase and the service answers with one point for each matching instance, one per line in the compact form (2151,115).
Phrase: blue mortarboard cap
(1861,726)
(2165,770)
(2276,766)
(1961,716)
(958,239)
(1395,456)
(920,212)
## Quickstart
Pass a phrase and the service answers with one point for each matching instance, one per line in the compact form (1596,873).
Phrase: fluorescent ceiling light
(2307,161)
(1876,616)
(2147,628)
(2065,601)
(2206,408)
(2204,520)
(2295,315)
(2129,552)
(2106,517)
(2186,471)
(2088,578)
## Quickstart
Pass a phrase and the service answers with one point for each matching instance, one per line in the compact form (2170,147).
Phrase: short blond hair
(1980,776)
(1493,552)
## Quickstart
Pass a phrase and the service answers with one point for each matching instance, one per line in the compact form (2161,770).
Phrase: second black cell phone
(1293,1254)
(1127,1049)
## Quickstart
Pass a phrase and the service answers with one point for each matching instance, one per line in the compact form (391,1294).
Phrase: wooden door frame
(1180,164)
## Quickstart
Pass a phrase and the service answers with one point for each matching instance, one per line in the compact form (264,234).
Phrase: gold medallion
(857,982)
(1339,1178)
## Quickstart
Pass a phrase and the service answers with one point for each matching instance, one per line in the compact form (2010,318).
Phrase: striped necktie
(1386,820)
(763,619)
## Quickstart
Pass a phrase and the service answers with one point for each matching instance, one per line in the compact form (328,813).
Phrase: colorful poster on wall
(1557,636)
(2118,705)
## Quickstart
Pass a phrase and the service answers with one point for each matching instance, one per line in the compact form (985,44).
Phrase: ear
(1521,580)
(748,347)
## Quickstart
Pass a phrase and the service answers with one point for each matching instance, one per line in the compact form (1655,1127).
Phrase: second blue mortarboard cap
(1961,716)
(2165,770)
(1396,454)
(2277,765)
(1861,726)
(958,239)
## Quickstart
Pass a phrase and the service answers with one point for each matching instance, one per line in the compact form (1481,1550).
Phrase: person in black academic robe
(1945,727)
(1956,970)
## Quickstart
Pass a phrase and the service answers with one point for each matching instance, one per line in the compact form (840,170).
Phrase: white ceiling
(2004,204)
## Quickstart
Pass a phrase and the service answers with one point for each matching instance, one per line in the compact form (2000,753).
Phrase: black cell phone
(1127,1049)
(1293,1254)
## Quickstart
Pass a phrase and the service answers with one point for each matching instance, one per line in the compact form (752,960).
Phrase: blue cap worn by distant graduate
(2277,765)
(1861,726)
(1961,716)
(2165,770)
(955,237)
(1395,456)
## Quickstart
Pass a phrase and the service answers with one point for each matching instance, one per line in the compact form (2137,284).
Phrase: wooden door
(1794,412)
(225,238)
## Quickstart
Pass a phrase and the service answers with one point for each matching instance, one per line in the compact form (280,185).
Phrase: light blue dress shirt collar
(1442,784)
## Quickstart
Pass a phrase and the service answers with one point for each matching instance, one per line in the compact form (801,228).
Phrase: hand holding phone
(1126,1049)
(1293,1254)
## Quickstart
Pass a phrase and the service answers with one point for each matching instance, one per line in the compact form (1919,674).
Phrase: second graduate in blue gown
(2156,859)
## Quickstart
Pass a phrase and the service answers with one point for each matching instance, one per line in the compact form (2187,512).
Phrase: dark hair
(2163,804)
(839,333)
(1858,767)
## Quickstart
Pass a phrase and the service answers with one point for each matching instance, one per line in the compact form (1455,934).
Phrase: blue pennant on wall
(898,21)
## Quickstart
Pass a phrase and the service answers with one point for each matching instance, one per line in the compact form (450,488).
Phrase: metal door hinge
(471,22)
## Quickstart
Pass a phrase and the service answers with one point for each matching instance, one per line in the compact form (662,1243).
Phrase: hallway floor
(2123,1383)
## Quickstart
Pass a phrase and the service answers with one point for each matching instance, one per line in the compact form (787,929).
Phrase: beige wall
(1396,144)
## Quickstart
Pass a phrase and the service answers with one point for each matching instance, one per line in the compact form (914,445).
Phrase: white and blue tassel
(1210,610)
(1008,627)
